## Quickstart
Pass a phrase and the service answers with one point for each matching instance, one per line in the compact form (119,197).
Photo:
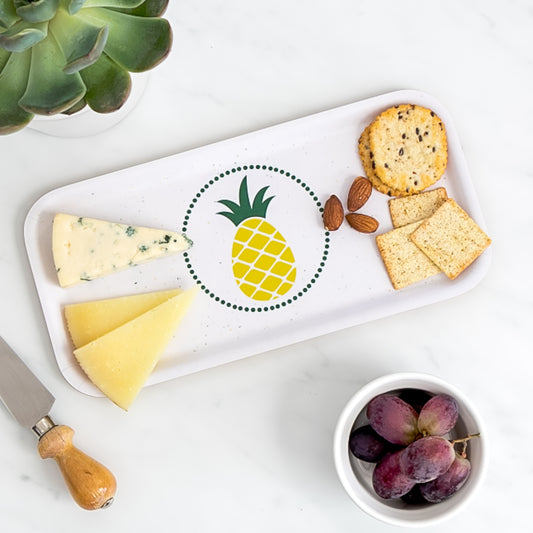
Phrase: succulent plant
(57,56)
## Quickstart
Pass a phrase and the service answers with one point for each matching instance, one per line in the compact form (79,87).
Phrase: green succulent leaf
(82,43)
(78,106)
(4,57)
(152,42)
(13,78)
(121,4)
(8,15)
(50,90)
(57,56)
(72,6)
(108,85)
(148,8)
(36,10)
(23,35)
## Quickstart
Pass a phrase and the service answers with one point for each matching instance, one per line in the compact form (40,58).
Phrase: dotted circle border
(271,307)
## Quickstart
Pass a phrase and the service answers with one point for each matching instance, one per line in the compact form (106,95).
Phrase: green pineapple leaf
(260,206)
(244,210)
(244,196)
(234,206)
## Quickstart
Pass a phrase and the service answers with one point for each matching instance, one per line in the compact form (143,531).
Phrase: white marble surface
(248,446)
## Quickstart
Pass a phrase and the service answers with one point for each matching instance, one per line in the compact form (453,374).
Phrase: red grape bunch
(406,438)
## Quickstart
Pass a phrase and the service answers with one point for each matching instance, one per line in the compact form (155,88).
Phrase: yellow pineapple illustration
(263,263)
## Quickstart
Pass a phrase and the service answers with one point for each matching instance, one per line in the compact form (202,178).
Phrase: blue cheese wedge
(87,248)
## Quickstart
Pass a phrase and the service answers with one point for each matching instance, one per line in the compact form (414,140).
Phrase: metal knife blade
(25,397)
(91,484)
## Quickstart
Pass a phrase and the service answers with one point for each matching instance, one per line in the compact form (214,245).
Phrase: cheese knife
(91,484)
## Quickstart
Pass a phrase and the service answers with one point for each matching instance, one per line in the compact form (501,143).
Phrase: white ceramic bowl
(356,475)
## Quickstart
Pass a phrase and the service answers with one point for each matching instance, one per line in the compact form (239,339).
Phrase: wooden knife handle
(91,484)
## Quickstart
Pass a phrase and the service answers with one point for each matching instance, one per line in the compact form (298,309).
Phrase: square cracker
(451,239)
(404,261)
(408,209)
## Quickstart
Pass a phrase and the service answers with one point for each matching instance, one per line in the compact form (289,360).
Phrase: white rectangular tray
(340,280)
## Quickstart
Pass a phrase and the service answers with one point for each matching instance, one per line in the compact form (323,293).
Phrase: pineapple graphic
(263,263)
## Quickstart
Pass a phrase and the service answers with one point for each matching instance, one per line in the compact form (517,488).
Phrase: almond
(333,213)
(359,193)
(362,223)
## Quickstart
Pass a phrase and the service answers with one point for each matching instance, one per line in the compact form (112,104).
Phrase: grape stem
(464,442)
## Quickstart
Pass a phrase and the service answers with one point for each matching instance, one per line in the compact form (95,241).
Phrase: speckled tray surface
(338,278)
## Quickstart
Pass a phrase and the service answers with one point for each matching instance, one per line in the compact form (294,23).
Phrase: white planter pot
(87,122)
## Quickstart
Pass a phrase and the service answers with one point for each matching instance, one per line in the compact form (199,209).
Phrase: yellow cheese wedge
(120,362)
(87,321)
(86,248)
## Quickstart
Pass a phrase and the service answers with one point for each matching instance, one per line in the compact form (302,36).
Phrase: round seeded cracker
(408,147)
(366,159)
